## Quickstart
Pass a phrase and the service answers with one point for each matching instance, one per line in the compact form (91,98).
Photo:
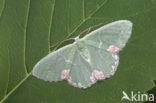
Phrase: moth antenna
(86,30)
(89,29)
(62,42)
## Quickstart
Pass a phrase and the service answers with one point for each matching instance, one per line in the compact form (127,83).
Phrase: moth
(89,59)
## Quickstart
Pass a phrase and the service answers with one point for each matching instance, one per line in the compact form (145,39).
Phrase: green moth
(89,59)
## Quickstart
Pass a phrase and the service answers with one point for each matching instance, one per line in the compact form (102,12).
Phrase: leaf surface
(2,4)
(29,28)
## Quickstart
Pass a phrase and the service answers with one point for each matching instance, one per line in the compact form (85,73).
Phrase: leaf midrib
(5,97)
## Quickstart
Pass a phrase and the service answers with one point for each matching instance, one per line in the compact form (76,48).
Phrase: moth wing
(55,66)
(116,33)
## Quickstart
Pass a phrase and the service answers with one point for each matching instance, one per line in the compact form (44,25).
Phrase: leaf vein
(81,23)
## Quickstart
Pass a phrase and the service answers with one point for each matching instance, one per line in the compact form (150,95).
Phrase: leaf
(2,3)
(12,34)
(29,28)
(152,91)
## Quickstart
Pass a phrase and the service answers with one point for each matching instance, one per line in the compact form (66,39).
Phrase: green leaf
(2,3)
(28,28)
(13,23)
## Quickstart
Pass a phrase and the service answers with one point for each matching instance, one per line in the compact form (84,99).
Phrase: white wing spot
(116,62)
(81,86)
(113,68)
(65,74)
(113,49)
(74,84)
(68,61)
(97,75)
(100,44)
(112,72)
(92,78)
(76,38)
(115,56)
(88,60)
(75,64)
(69,79)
